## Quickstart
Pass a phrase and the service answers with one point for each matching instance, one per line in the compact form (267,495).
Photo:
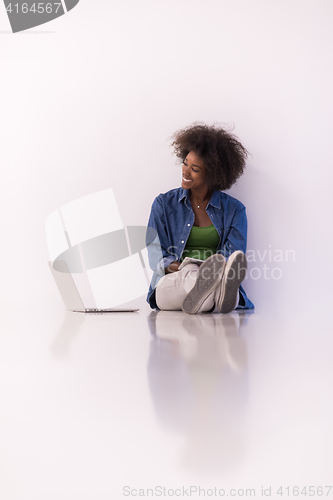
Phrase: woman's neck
(200,195)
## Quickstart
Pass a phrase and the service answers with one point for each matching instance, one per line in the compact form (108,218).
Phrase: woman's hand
(173,267)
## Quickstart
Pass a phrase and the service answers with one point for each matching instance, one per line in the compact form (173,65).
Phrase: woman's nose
(186,169)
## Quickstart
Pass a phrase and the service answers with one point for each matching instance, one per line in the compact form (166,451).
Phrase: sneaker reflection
(197,373)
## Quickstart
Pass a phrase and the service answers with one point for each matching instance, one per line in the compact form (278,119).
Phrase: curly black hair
(223,155)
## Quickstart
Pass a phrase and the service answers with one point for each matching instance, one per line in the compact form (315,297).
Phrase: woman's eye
(193,169)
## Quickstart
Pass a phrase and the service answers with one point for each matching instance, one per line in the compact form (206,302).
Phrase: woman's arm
(161,258)
(236,236)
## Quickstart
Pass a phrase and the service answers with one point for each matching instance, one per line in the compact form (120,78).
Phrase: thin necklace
(203,202)
(198,206)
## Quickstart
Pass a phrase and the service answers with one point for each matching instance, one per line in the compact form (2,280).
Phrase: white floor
(91,404)
(99,407)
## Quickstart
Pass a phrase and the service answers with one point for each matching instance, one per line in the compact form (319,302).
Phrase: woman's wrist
(173,267)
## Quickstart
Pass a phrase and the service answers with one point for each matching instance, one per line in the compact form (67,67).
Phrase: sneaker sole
(235,273)
(209,275)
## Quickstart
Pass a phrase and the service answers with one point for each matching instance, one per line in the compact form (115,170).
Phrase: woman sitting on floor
(199,221)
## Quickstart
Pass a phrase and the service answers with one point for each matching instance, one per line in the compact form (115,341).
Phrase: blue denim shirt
(171,220)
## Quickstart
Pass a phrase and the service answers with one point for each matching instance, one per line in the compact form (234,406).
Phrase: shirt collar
(215,200)
(184,193)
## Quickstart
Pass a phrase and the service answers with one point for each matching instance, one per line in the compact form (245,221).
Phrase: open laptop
(76,302)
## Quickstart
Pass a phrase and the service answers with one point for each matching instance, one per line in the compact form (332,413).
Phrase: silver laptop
(73,300)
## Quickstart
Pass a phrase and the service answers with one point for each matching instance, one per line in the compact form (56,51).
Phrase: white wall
(89,100)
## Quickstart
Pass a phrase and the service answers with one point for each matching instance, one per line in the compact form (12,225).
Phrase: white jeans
(172,289)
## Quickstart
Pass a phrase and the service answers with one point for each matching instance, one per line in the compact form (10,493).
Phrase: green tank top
(202,243)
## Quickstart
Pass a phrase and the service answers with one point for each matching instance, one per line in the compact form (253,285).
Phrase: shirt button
(182,241)
(188,224)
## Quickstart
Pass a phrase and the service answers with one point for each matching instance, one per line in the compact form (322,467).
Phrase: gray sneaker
(209,276)
(235,272)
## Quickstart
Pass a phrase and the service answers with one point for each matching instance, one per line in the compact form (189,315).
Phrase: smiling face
(194,174)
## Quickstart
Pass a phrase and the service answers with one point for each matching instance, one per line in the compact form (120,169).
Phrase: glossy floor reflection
(93,403)
(197,372)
